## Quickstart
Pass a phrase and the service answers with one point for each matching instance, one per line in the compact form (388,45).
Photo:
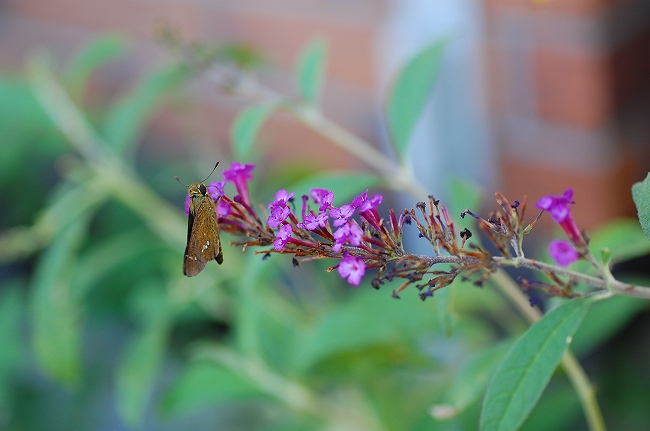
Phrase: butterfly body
(203,242)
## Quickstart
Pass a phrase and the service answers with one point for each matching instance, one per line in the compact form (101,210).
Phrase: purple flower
(349,232)
(356,202)
(278,215)
(282,237)
(370,204)
(341,236)
(322,197)
(313,221)
(223,208)
(352,268)
(563,252)
(558,207)
(239,174)
(215,190)
(187,204)
(341,215)
(278,209)
(282,197)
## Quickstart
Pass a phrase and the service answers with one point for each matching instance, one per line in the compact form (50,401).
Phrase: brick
(573,7)
(600,195)
(572,88)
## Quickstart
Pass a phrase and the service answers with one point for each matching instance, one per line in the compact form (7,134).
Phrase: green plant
(256,343)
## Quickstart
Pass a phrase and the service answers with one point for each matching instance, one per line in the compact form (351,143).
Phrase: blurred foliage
(100,330)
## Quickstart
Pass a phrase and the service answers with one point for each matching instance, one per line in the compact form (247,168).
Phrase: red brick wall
(279,29)
(569,103)
(571,99)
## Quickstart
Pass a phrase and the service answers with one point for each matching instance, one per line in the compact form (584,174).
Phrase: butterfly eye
(202,189)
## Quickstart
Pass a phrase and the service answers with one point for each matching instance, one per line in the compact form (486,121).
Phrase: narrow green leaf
(402,321)
(129,114)
(310,70)
(410,93)
(524,373)
(138,370)
(89,59)
(205,383)
(143,356)
(470,381)
(54,308)
(641,195)
(245,128)
(13,352)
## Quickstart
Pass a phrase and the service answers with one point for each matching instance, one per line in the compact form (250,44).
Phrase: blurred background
(533,97)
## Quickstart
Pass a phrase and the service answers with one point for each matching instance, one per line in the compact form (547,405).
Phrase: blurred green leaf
(353,326)
(204,383)
(604,320)
(144,353)
(556,410)
(310,70)
(12,353)
(470,381)
(641,195)
(128,115)
(521,378)
(623,237)
(89,59)
(110,255)
(411,92)
(244,56)
(54,308)
(345,185)
(245,128)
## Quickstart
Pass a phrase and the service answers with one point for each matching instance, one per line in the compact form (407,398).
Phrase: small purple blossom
(278,215)
(356,202)
(352,268)
(279,211)
(282,237)
(239,174)
(282,197)
(187,204)
(563,252)
(342,214)
(313,221)
(223,208)
(349,232)
(370,204)
(558,207)
(322,197)
(215,190)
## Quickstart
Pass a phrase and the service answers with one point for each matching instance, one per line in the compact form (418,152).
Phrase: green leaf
(331,335)
(13,352)
(54,308)
(641,195)
(144,353)
(89,59)
(605,319)
(470,381)
(524,373)
(310,70)
(245,128)
(345,185)
(204,383)
(411,92)
(129,114)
